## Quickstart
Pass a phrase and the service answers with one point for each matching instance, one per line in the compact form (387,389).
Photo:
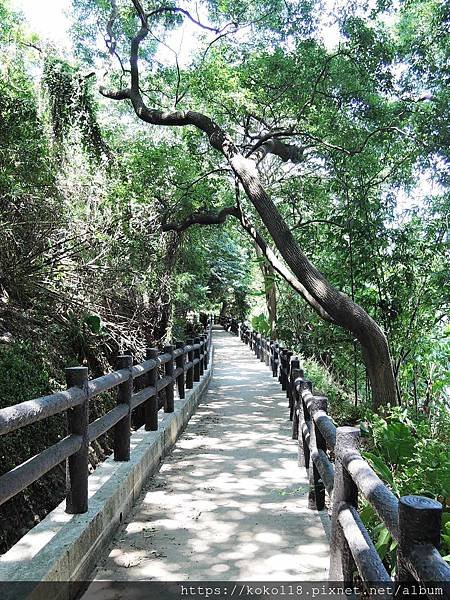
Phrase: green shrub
(406,454)
(340,406)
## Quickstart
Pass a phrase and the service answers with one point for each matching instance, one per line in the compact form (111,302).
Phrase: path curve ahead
(230,502)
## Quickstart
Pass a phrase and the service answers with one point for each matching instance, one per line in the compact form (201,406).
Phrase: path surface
(230,502)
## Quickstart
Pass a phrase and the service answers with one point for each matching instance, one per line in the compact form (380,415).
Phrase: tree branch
(202,218)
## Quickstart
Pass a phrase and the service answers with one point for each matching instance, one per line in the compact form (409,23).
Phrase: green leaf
(382,470)
(94,323)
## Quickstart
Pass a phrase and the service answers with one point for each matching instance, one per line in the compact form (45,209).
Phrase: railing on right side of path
(413,521)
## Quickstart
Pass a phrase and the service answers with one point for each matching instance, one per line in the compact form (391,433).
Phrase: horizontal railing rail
(336,467)
(181,365)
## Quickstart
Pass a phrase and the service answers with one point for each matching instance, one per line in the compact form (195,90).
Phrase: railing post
(190,371)
(294,366)
(274,361)
(77,467)
(169,403)
(201,353)
(287,374)
(419,522)
(179,362)
(197,355)
(283,359)
(268,345)
(342,565)
(262,350)
(316,498)
(296,374)
(304,422)
(205,351)
(151,405)
(122,429)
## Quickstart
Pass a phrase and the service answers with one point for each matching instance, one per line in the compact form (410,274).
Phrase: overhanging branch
(202,218)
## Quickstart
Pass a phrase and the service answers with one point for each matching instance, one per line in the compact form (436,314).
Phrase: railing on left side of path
(182,364)
(414,522)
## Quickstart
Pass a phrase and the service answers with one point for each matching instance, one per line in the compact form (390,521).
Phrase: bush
(340,406)
(404,452)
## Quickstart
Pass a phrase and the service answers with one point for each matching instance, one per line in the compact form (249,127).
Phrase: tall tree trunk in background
(270,290)
(223,310)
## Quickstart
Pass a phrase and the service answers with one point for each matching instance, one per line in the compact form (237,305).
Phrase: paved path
(230,502)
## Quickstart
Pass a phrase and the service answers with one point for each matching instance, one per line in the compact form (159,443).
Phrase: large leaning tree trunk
(319,293)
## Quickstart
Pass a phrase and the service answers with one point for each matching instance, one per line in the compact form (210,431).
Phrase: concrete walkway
(230,502)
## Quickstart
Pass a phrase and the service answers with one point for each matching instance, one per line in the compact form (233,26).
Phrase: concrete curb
(65,548)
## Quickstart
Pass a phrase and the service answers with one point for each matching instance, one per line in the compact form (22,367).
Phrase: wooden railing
(182,364)
(413,521)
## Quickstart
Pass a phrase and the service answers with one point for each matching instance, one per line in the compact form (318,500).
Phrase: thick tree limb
(284,151)
(202,218)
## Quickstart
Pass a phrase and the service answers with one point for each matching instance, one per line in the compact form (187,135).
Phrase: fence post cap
(419,503)
(77,369)
(419,520)
(77,376)
(306,385)
(347,438)
(124,361)
(320,402)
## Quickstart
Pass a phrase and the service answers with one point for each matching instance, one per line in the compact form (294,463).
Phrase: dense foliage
(86,269)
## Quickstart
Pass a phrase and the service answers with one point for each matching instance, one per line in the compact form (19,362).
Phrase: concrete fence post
(295,374)
(304,421)
(179,363)
(190,371)
(316,498)
(294,366)
(201,354)
(419,522)
(77,468)
(151,405)
(169,403)
(122,429)
(342,565)
(274,359)
(197,356)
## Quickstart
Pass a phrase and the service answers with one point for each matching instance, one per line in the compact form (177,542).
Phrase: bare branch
(175,9)
(110,39)
(203,218)
(115,94)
